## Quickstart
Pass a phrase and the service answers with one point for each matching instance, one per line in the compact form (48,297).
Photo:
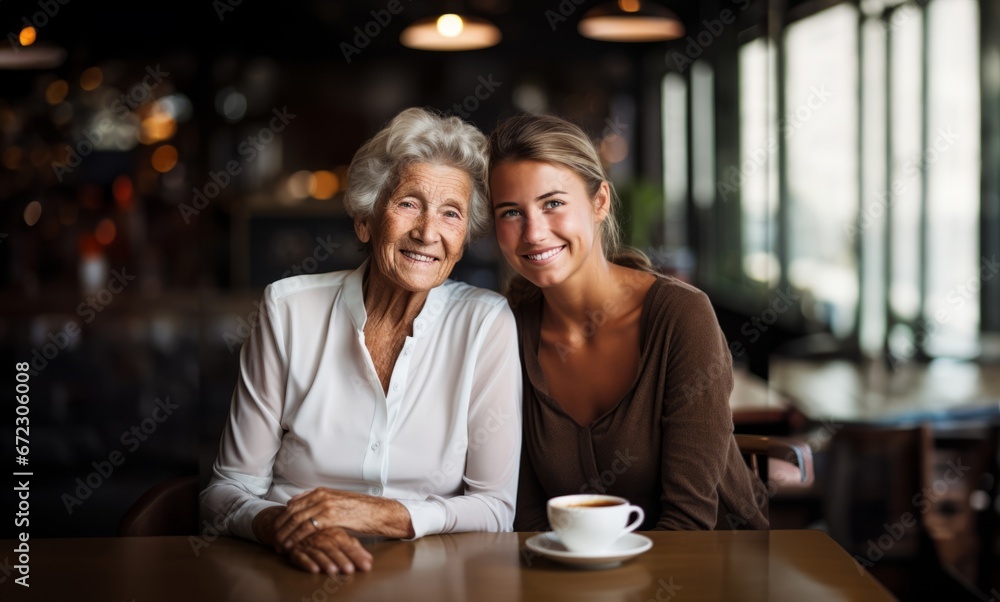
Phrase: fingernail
(349,569)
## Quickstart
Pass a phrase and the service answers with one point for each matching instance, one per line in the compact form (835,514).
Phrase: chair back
(168,508)
(771,456)
(877,489)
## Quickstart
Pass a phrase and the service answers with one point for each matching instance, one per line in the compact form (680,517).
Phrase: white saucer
(628,546)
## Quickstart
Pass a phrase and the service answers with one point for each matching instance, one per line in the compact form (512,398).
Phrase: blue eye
(510,213)
(453,214)
(553,204)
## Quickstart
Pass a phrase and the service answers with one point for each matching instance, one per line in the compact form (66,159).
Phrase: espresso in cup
(592,523)
(596,504)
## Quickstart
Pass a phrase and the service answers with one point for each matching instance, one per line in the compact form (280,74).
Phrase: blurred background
(828,172)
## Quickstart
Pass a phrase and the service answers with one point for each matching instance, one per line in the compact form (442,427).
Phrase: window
(820,130)
(758,169)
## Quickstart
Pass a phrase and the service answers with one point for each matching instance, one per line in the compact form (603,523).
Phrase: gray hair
(418,136)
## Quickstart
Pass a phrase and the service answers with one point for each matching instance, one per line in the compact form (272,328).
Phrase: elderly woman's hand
(332,551)
(323,508)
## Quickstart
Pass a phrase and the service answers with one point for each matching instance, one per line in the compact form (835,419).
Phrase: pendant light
(450,31)
(631,21)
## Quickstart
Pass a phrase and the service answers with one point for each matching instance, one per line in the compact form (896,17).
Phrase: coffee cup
(588,523)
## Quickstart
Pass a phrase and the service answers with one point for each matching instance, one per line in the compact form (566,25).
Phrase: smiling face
(421,231)
(547,223)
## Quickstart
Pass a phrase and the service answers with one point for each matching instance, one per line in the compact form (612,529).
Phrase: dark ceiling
(310,31)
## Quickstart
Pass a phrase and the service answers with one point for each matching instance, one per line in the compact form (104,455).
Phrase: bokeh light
(323,185)
(124,192)
(157,128)
(105,231)
(613,149)
(298,184)
(12,157)
(91,78)
(164,158)
(231,104)
(32,213)
(56,92)
(450,26)
(27,36)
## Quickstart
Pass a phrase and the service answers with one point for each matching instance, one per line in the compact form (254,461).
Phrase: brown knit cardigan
(667,446)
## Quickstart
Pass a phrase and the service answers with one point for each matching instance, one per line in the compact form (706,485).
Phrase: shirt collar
(429,314)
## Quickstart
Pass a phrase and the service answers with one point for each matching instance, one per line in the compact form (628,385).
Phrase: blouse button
(375,446)
(376,490)
(395,387)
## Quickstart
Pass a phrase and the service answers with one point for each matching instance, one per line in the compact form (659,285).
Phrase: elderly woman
(383,400)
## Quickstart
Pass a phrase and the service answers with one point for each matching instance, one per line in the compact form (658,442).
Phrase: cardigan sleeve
(697,422)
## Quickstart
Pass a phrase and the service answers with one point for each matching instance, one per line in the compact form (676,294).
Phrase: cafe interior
(827,171)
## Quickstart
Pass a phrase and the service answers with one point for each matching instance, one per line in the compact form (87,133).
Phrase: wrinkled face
(420,234)
(546,222)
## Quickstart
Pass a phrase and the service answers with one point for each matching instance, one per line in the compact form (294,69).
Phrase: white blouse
(309,410)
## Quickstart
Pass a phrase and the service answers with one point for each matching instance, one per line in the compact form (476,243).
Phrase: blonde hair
(553,140)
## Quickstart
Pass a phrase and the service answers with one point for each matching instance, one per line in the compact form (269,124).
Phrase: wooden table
(843,391)
(715,565)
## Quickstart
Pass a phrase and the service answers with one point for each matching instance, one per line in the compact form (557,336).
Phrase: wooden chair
(781,459)
(878,490)
(168,508)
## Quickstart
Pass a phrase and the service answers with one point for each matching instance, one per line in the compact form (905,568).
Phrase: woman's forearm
(381,516)
(263,524)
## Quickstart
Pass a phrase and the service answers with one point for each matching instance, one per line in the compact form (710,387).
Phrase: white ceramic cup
(588,523)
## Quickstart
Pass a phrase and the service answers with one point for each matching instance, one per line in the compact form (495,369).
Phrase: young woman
(626,373)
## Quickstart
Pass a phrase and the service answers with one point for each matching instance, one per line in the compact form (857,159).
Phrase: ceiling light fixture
(631,21)
(450,32)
